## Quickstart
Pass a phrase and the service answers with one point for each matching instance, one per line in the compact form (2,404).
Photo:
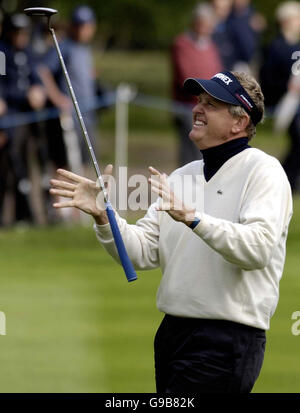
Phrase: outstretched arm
(81,193)
(141,240)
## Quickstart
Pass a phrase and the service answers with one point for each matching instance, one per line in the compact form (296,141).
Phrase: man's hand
(82,193)
(36,97)
(62,102)
(59,99)
(170,203)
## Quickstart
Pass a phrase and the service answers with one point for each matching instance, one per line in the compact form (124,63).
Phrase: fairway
(74,324)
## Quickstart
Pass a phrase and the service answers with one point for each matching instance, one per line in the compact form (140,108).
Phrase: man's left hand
(170,203)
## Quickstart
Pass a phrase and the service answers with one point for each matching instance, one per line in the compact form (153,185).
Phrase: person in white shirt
(222,256)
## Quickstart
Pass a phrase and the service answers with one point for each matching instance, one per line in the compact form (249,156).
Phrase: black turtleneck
(215,157)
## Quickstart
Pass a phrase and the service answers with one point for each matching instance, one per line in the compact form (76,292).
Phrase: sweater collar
(215,157)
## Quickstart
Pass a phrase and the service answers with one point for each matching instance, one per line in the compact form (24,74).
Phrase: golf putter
(124,258)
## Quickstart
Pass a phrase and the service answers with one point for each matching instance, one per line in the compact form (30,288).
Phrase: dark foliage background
(139,24)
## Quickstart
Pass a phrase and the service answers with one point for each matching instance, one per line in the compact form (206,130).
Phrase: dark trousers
(207,356)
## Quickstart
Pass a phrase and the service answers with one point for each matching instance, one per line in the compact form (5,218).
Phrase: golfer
(222,257)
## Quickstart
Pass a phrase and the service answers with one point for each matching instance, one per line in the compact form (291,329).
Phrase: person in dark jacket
(237,32)
(277,79)
(77,55)
(22,92)
(245,26)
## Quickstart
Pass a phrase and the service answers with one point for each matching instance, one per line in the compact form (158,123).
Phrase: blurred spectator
(3,145)
(53,145)
(237,32)
(21,92)
(193,54)
(4,158)
(245,27)
(78,58)
(42,43)
(277,78)
(222,34)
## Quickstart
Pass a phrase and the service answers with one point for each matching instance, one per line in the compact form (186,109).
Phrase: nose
(198,108)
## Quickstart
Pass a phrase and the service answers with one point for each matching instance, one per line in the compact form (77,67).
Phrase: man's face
(241,3)
(204,26)
(84,33)
(212,122)
(222,8)
(20,38)
(292,24)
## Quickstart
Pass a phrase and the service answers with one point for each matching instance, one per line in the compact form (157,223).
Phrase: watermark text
(2,324)
(296,325)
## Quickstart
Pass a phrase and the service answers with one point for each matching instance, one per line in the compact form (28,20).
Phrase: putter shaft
(79,115)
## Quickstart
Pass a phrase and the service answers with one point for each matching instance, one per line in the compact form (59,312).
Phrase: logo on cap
(223,77)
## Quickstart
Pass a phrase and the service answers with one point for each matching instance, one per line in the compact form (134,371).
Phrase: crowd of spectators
(226,35)
(31,152)
(223,35)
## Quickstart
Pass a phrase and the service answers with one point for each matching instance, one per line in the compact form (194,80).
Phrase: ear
(240,124)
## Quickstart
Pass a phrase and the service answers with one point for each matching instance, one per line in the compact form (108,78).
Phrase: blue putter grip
(125,260)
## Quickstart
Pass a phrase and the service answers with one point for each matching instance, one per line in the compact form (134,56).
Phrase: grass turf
(74,324)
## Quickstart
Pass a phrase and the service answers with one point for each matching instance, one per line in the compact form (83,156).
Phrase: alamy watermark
(296,64)
(296,325)
(2,324)
(136,194)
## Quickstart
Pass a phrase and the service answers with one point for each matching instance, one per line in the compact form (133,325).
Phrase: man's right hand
(82,194)
(59,99)
(62,102)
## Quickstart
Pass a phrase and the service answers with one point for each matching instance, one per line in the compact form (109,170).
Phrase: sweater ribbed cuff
(195,223)
(205,225)
(104,232)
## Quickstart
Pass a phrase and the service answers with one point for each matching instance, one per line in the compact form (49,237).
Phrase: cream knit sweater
(230,265)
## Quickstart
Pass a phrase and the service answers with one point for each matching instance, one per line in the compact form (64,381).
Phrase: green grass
(280,371)
(148,71)
(74,324)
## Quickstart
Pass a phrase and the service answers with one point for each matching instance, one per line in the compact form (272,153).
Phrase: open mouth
(198,123)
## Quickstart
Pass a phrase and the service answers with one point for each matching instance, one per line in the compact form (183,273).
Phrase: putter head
(40,11)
